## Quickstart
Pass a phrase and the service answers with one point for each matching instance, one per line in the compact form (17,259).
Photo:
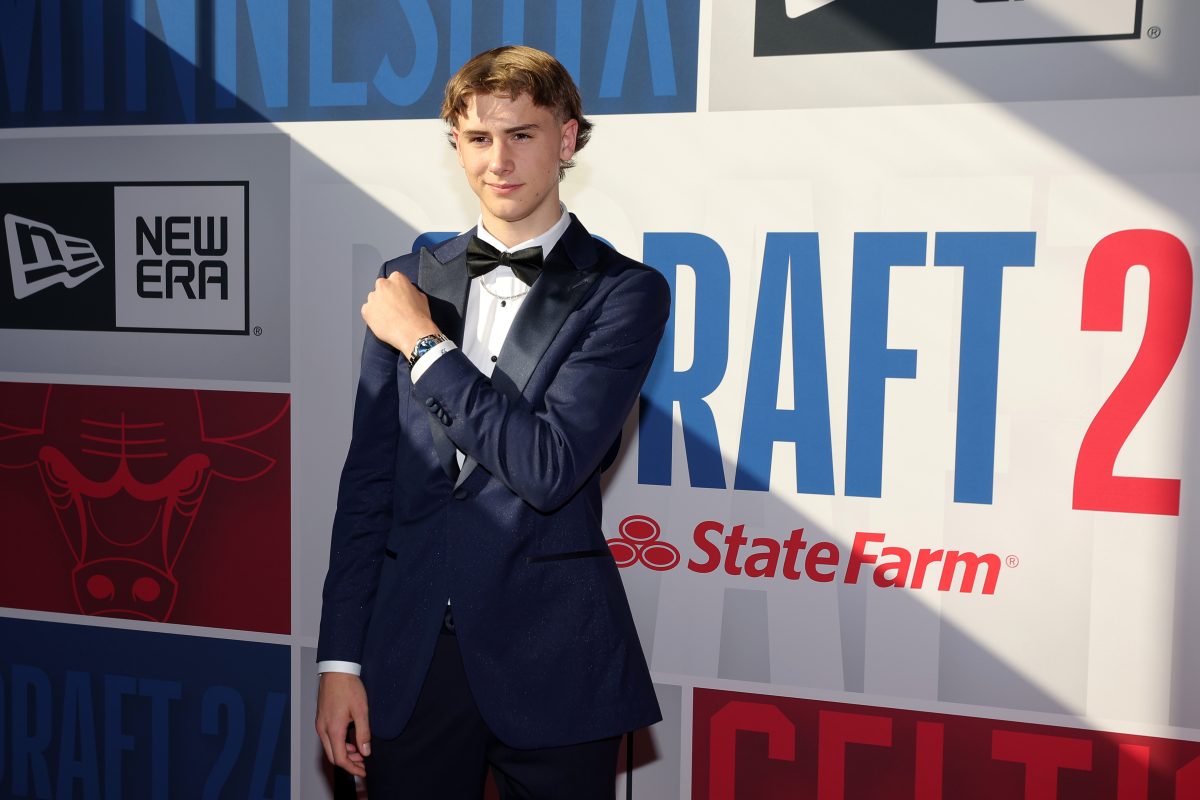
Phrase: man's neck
(512,233)
(546,238)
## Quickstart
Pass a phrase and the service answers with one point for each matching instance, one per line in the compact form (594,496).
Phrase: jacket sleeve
(545,452)
(364,508)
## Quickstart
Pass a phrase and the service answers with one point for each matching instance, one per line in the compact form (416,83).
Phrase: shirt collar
(546,241)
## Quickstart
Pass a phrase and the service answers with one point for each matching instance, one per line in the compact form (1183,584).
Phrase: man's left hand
(398,312)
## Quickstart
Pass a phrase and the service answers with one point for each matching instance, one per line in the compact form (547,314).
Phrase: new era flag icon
(798,8)
(40,256)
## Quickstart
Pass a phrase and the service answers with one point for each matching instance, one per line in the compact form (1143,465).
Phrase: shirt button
(494,359)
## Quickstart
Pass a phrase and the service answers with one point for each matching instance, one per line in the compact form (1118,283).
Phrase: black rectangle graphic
(136,256)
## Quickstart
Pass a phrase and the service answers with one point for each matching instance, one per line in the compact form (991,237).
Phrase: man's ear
(457,148)
(570,129)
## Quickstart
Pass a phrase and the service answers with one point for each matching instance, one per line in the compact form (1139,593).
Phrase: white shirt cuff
(426,360)
(339,666)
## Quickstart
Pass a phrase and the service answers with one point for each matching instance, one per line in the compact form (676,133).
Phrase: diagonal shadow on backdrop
(1158,62)
(324,345)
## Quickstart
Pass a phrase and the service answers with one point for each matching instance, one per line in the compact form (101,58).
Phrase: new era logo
(171,257)
(804,27)
(798,8)
(41,257)
(181,260)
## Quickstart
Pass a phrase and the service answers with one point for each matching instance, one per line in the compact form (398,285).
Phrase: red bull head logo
(126,475)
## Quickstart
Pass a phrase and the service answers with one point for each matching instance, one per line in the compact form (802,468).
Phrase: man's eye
(522,136)
(478,140)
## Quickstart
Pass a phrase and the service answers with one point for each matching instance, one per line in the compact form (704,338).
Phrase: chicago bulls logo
(126,471)
(638,542)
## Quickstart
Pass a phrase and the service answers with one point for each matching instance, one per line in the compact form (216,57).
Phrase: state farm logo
(638,543)
(40,257)
(800,27)
(795,557)
(179,256)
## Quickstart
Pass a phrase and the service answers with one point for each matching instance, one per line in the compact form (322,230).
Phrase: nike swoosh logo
(798,8)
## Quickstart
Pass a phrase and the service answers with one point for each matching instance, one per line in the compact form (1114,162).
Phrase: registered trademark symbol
(1012,561)
(1154,32)
(258,330)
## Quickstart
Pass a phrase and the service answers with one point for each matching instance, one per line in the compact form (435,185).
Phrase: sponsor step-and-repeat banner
(169,245)
(114,63)
(169,505)
(906,509)
(145,467)
(117,245)
(801,27)
(754,746)
(805,53)
(102,712)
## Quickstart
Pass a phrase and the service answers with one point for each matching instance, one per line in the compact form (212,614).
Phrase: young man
(469,579)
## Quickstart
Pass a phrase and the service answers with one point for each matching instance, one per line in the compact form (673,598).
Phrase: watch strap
(424,345)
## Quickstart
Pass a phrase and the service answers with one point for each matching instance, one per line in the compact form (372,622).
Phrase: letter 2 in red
(1167,315)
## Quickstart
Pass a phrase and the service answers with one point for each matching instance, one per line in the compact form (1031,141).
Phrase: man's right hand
(341,700)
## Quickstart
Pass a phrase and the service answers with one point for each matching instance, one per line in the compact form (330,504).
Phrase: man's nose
(499,162)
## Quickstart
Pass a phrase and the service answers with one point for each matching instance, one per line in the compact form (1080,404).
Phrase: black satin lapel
(553,297)
(446,287)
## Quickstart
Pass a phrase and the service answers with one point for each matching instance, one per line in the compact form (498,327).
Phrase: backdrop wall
(907,509)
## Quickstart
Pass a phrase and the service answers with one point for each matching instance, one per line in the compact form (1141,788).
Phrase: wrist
(422,345)
(407,334)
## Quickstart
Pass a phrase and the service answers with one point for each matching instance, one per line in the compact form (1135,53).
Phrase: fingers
(399,289)
(337,751)
(397,281)
(354,765)
(347,756)
(362,735)
(325,743)
(397,312)
(342,702)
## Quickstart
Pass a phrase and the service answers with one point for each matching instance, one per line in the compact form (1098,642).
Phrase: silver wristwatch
(424,345)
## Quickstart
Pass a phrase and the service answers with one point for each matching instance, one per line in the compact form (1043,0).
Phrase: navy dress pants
(446,750)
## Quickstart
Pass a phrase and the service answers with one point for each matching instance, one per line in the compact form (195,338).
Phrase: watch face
(423,346)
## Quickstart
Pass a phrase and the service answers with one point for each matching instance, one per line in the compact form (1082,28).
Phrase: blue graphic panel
(103,62)
(93,712)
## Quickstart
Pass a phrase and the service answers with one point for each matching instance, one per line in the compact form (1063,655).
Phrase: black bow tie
(482,258)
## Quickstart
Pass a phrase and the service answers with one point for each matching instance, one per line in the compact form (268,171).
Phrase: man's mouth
(504,188)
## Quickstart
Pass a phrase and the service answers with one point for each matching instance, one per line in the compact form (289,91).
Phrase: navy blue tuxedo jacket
(514,538)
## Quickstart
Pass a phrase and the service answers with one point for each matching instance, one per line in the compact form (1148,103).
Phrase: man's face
(510,150)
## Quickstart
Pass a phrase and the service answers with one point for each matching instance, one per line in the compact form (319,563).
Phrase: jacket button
(444,417)
(460,494)
(430,402)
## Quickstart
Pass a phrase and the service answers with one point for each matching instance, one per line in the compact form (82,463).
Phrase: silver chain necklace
(504,298)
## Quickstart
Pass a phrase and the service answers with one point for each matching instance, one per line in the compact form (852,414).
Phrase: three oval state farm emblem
(639,542)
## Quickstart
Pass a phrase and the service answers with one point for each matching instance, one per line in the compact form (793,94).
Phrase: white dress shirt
(493,301)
